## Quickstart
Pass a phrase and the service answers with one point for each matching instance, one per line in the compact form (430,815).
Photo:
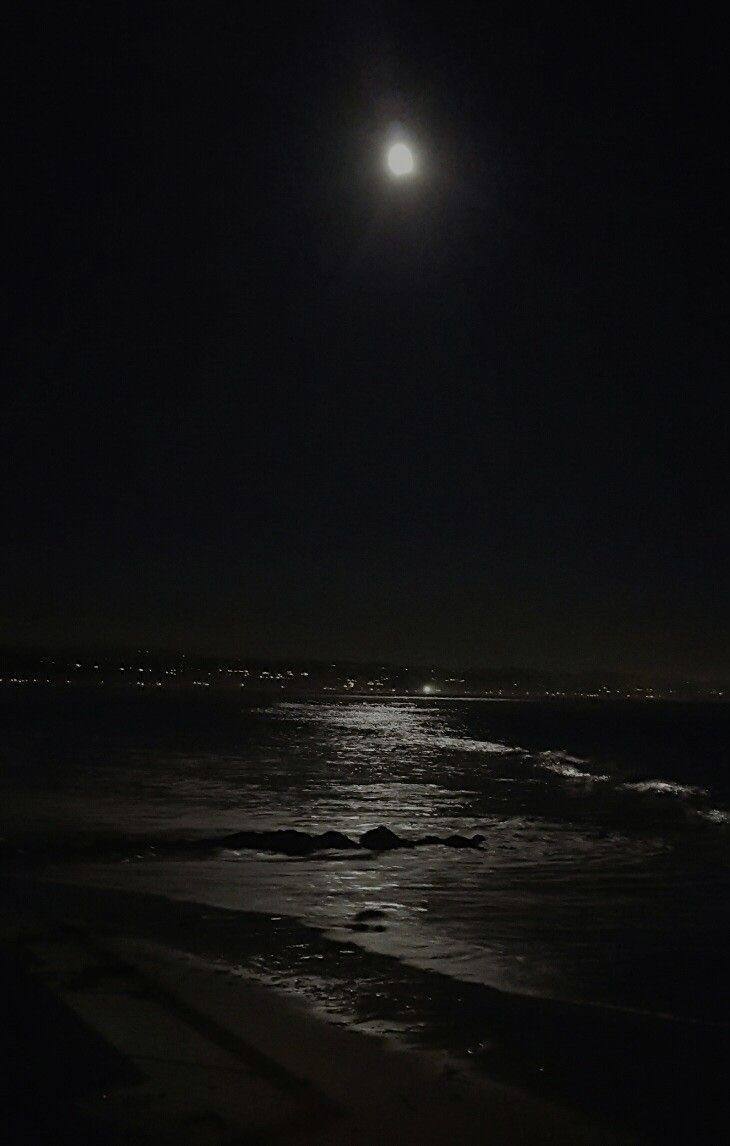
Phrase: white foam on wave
(464,744)
(563,764)
(664,788)
(559,754)
(570,772)
(715,816)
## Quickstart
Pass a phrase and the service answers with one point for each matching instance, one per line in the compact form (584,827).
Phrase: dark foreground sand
(112,1038)
(117,1028)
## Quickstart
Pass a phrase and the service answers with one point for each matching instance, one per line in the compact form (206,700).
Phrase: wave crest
(664,788)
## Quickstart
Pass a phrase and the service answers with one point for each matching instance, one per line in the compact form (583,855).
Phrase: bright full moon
(400,159)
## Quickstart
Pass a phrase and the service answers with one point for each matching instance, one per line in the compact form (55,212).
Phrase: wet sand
(121,1029)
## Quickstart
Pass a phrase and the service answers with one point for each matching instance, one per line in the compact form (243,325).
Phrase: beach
(509,909)
(112,1036)
(126,1025)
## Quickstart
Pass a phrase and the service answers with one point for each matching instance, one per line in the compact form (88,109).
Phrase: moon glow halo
(400,160)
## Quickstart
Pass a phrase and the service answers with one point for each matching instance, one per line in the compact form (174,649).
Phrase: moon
(400,159)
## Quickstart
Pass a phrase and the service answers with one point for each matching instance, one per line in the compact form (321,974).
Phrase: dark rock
(463,841)
(291,842)
(334,840)
(370,913)
(454,841)
(235,840)
(383,840)
(288,841)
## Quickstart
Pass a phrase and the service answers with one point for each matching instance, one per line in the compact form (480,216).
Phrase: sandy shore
(113,1037)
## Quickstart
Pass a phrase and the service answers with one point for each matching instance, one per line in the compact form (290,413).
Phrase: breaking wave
(715,815)
(664,788)
(562,764)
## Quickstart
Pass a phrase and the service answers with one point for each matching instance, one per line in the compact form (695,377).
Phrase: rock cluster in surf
(291,842)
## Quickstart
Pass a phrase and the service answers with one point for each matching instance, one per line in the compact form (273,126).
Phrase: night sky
(261,398)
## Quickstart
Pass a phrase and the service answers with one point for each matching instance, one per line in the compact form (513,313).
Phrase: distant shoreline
(20,685)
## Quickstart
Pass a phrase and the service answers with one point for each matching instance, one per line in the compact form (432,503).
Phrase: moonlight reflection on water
(587,870)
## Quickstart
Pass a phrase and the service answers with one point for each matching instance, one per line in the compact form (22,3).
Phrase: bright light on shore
(400,159)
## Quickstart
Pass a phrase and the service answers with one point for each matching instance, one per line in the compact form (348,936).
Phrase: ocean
(600,888)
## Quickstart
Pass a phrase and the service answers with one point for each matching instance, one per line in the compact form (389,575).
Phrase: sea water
(602,879)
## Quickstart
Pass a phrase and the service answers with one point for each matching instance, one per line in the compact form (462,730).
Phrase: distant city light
(343,679)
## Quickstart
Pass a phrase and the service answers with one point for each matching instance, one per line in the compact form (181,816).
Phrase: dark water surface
(603,876)
(602,881)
